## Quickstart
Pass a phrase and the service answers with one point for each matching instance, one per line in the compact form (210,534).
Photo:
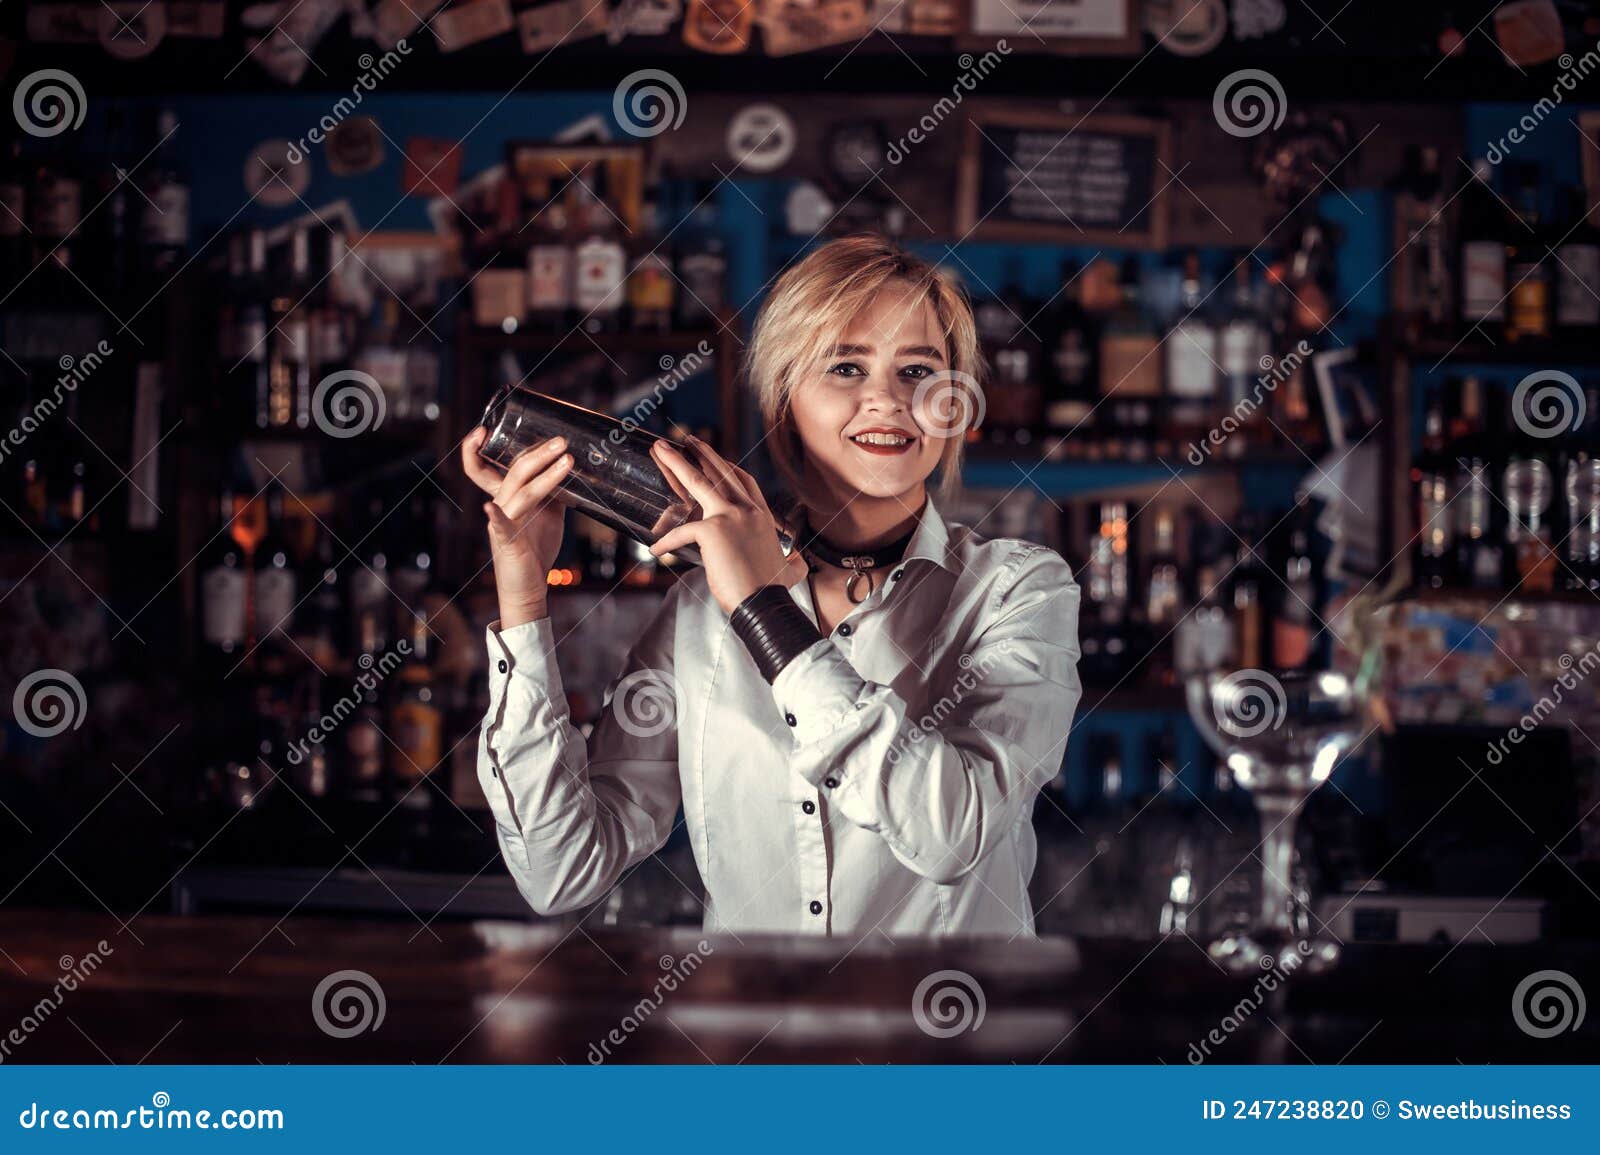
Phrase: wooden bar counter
(246,989)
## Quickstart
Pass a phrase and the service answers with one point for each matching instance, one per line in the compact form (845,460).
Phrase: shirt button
(816,907)
(808,806)
(894,577)
(502,665)
(830,783)
(845,630)
(789,718)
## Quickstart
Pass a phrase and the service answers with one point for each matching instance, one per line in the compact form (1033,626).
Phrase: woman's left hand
(737,534)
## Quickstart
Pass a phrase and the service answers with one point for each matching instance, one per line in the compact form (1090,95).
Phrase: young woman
(856,733)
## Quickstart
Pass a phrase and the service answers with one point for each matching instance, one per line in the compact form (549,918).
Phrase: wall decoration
(272,178)
(761,138)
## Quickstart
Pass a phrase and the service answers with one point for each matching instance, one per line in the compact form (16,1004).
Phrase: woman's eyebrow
(852,350)
(921,351)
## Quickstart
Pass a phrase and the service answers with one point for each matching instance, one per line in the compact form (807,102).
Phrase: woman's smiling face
(856,416)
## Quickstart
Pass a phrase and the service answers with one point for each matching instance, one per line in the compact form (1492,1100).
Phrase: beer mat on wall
(432,168)
(564,21)
(721,26)
(397,19)
(354,146)
(471,23)
(789,28)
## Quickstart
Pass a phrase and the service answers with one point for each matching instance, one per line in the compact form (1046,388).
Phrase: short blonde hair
(808,312)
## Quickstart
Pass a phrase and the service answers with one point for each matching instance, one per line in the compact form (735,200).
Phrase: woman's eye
(917,372)
(846,369)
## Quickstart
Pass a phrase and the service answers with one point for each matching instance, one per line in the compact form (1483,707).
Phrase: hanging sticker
(1187,28)
(470,23)
(63,23)
(788,28)
(761,138)
(394,20)
(721,26)
(271,177)
(131,31)
(1253,19)
(354,146)
(643,18)
(544,27)
(433,167)
(196,19)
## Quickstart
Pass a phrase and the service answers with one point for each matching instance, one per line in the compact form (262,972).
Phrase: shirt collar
(931,539)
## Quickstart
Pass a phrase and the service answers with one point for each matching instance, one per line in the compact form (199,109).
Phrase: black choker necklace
(860,562)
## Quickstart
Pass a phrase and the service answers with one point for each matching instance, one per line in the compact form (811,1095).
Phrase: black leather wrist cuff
(773,629)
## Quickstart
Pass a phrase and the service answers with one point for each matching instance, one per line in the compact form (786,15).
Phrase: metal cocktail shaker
(613,478)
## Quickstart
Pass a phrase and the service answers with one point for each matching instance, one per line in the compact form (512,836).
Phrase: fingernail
(559,442)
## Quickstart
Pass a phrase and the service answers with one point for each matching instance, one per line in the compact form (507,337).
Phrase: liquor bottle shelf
(1081,476)
(564,340)
(1477,349)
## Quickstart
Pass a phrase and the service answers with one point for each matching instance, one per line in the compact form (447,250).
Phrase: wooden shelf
(1477,349)
(578,340)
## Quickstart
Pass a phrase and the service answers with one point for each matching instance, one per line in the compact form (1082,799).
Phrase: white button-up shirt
(885,781)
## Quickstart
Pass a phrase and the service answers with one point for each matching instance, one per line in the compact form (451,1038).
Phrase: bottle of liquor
(1528,311)
(550,267)
(1582,488)
(1478,550)
(224,588)
(56,203)
(1430,479)
(275,578)
(331,324)
(702,264)
(164,230)
(600,263)
(1294,627)
(1191,354)
(651,289)
(289,352)
(1483,252)
(416,725)
(1163,597)
(322,623)
(1527,487)
(1241,346)
(1578,269)
(1423,282)
(1074,368)
(115,222)
(1246,586)
(363,749)
(369,590)
(1130,368)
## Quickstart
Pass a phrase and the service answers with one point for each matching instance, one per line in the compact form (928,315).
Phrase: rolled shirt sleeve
(571,816)
(942,788)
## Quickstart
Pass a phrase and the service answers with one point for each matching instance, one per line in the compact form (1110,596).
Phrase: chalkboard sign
(1036,176)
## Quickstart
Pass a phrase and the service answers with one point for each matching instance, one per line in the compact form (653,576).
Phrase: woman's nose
(881,394)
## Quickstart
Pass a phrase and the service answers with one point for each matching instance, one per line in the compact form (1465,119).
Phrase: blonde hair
(808,312)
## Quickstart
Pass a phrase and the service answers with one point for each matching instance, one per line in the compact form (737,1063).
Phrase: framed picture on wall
(1589,151)
(1069,27)
(540,170)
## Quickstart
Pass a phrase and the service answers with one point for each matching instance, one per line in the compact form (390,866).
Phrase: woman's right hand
(525,522)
